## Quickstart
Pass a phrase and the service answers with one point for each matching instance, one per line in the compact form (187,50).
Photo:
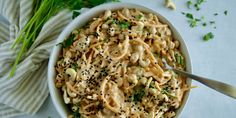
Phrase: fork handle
(221,87)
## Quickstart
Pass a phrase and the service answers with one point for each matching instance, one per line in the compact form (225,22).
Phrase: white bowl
(81,20)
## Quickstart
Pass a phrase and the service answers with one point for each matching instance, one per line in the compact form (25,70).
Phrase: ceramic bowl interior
(81,20)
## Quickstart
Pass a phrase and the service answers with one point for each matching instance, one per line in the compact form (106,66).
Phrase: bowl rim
(80,21)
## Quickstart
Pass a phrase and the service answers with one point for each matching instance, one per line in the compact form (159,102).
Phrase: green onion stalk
(43,11)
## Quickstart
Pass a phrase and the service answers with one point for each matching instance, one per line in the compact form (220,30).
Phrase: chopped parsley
(68,42)
(198,4)
(208,36)
(179,58)
(124,24)
(138,17)
(225,12)
(114,21)
(192,21)
(152,85)
(215,14)
(163,91)
(197,19)
(75,66)
(189,3)
(197,7)
(204,24)
(212,22)
(138,95)
(202,17)
(76,114)
(190,16)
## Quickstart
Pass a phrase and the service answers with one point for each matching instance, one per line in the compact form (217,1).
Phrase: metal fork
(221,87)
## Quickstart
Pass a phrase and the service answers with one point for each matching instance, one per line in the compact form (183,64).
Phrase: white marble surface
(214,59)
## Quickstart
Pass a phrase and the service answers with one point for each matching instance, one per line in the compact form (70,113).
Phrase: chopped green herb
(208,36)
(212,22)
(197,19)
(68,42)
(202,17)
(138,17)
(76,114)
(138,95)
(225,12)
(124,24)
(200,1)
(75,14)
(107,19)
(215,14)
(189,3)
(179,58)
(204,24)
(75,66)
(114,21)
(183,13)
(190,16)
(167,93)
(166,89)
(192,22)
(152,85)
(163,91)
(197,5)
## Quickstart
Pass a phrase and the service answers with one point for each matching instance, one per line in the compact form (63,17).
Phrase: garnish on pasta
(113,68)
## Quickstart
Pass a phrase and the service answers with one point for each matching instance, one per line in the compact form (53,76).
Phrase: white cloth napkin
(27,90)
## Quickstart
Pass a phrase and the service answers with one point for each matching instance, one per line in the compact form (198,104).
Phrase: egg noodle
(113,68)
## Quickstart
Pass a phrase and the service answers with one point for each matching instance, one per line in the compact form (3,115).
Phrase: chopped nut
(170,4)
